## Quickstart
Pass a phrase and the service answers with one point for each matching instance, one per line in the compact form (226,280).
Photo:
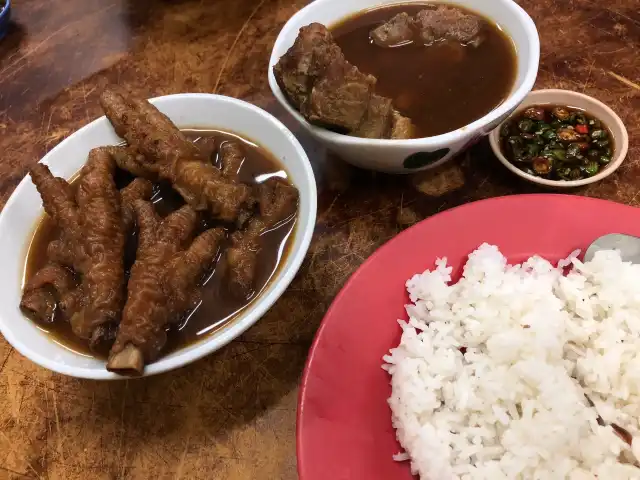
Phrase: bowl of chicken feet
(154,235)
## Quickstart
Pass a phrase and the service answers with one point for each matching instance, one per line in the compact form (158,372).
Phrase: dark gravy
(218,307)
(441,87)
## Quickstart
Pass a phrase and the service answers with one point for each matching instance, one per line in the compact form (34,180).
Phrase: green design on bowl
(422,159)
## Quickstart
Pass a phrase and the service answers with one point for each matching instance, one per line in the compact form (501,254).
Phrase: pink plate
(344,423)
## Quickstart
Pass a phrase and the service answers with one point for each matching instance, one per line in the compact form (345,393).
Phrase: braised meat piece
(93,241)
(231,156)
(328,90)
(103,238)
(401,127)
(146,129)
(340,97)
(58,198)
(59,203)
(132,161)
(321,84)
(163,283)
(447,23)
(205,188)
(231,159)
(45,290)
(377,120)
(138,189)
(168,153)
(430,25)
(278,202)
(242,257)
(395,32)
(311,54)
(63,251)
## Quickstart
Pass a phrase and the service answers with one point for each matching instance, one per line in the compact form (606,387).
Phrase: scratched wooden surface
(232,415)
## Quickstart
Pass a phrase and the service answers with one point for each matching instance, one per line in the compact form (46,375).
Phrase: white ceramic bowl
(589,105)
(391,155)
(23,210)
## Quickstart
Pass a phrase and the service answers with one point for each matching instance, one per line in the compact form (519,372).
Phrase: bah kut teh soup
(399,71)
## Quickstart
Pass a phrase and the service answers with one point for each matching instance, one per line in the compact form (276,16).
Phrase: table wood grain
(232,415)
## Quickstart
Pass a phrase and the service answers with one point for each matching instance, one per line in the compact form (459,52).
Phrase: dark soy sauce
(218,307)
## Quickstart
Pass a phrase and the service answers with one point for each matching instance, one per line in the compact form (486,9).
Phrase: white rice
(514,406)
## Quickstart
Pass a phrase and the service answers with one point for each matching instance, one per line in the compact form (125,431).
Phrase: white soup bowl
(408,156)
(22,212)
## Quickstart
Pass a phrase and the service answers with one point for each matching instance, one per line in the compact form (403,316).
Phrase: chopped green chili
(557,142)
(591,168)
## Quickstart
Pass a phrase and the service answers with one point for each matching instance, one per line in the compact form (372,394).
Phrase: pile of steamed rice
(536,345)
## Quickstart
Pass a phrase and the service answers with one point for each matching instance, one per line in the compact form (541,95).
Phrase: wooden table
(232,415)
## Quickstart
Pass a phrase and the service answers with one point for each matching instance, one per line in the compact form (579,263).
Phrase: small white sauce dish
(591,106)
(22,212)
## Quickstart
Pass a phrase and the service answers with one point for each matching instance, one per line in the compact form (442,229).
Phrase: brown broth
(440,87)
(218,307)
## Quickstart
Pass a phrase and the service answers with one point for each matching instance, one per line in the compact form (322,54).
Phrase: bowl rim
(247,319)
(511,102)
(5,8)
(620,152)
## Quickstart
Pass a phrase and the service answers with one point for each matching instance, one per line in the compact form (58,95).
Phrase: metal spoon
(628,245)
(629,248)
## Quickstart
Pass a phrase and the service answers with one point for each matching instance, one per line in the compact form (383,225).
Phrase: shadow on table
(10,44)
